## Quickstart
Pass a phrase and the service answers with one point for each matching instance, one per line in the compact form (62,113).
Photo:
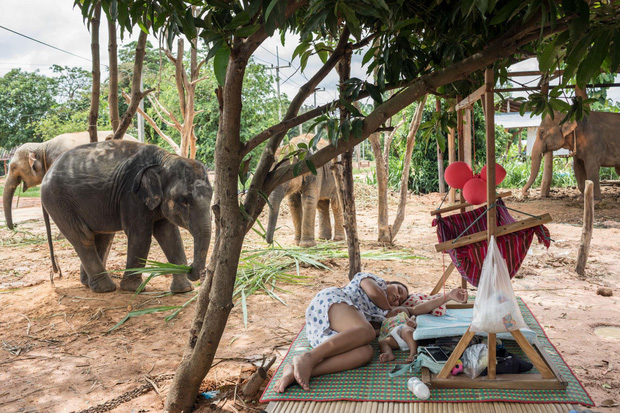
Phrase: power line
(43,43)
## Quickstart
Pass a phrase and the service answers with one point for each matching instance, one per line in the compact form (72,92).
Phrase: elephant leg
(138,247)
(309,202)
(98,279)
(294,203)
(169,238)
(580,174)
(103,243)
(325,225)
(592,174)
(338,219)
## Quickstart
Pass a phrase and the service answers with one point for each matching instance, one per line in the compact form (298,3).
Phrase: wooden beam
(456,354)
(532,381)
(503,230)
(466,204)
(533,355)
(471,99)
(489,82)
(443,278)
(467,136)
(451,159)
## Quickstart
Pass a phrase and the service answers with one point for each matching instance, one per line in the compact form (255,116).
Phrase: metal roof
(515,120)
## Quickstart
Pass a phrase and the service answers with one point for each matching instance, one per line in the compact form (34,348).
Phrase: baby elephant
(96,190)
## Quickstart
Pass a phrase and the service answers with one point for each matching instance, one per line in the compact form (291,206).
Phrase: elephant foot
(102,285)
(325,236)
(307,243)
(84,277)
(180,285)
(131,283)
(339,237)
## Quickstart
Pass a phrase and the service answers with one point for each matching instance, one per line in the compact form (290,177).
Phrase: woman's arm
(375,293)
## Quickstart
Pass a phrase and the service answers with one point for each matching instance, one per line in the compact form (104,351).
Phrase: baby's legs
(406,333)
(385,346)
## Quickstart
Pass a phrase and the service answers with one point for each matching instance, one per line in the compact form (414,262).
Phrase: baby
(397,333)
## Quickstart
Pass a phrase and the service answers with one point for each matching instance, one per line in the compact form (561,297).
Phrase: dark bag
(508,363)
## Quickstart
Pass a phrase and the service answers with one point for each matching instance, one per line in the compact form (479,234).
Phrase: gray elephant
(32,160)
(306,194)
(594,141)
(96,190)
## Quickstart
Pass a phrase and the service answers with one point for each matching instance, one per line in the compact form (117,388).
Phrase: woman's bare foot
(387,356)
(286,380)
(411,357)
(302,366)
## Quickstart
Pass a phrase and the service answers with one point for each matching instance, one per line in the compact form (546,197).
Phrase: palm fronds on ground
(260,270)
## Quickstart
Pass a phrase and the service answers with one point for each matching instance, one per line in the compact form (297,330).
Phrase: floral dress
(317,320)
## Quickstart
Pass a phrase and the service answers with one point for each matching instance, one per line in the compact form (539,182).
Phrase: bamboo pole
(586,232)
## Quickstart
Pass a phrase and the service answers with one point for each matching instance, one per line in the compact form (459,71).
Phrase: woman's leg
(353,331)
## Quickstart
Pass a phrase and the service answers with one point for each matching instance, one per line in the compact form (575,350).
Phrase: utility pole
(317,89)
(278,67)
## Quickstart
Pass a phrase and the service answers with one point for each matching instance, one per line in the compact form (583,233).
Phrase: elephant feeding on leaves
(32,160)
(307,193)
(96,190)
(594,141)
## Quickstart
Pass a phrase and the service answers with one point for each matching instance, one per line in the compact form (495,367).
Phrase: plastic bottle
(418,388)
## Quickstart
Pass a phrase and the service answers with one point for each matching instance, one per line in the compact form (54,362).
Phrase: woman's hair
(399,283)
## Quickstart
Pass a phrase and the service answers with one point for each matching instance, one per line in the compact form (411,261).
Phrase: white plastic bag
(495,309)
(475,360)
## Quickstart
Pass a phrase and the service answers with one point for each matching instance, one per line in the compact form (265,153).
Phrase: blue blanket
(455,323)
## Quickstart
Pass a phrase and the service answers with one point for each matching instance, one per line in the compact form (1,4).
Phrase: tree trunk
(113,79)
(404,180)
(215,303)
(96,72)
(547,178)
(136,94)
(382,188)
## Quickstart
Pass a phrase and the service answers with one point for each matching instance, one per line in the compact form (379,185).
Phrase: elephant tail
(48,228)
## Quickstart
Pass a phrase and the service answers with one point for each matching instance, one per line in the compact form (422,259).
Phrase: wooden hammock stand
(548,376)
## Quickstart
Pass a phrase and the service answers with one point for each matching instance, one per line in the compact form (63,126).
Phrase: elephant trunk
(11,184)
(275,199)
(537,154)
(202,239)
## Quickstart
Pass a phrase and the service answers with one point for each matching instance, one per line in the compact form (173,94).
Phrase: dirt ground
(56,354)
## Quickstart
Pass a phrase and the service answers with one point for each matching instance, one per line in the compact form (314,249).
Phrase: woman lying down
(339,329)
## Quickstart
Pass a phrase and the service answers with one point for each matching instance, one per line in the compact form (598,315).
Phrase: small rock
(605,292)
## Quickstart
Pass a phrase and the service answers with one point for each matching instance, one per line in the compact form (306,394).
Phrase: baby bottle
(418,388)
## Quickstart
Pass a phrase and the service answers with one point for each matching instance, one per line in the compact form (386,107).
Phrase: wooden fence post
(586,232)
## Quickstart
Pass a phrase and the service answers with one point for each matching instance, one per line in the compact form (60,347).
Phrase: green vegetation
(30,193)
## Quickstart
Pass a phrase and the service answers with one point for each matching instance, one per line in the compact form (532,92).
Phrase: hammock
(468,259)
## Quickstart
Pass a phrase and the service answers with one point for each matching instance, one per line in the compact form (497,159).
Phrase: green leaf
(505,12)
(615,52)
(345,130)
(297,168)
(220,63)
(270,8)
(369,55)
(247,31)
(591,65)
(547,58)
(352,109)
(311,166)
(240,19)
(244,309)
(357,128)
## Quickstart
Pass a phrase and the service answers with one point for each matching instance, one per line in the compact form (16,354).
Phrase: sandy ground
(56,354)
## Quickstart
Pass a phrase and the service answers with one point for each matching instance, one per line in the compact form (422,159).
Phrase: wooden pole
(451,158)
(586,232)
(461,152)
(467,132)
(440,171)
(489,104)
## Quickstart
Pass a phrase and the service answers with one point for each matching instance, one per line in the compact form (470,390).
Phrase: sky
(58,24)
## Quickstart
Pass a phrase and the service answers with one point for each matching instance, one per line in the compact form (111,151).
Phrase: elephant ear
(147,186)
(567,128)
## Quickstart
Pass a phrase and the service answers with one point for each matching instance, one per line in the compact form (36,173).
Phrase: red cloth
(469,258)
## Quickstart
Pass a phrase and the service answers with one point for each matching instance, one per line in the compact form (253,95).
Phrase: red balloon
(475,191)
(457,174)
(500,173)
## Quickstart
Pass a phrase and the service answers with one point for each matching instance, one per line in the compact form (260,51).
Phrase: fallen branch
(257,379)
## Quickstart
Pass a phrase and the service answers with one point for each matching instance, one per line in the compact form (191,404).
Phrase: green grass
(262,270)
(30,193)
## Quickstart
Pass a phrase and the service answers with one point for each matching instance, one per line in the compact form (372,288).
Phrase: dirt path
(56,354)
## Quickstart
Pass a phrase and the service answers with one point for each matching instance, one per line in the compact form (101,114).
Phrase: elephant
(32,160)
(594,141)
(307,193)
(95,190)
